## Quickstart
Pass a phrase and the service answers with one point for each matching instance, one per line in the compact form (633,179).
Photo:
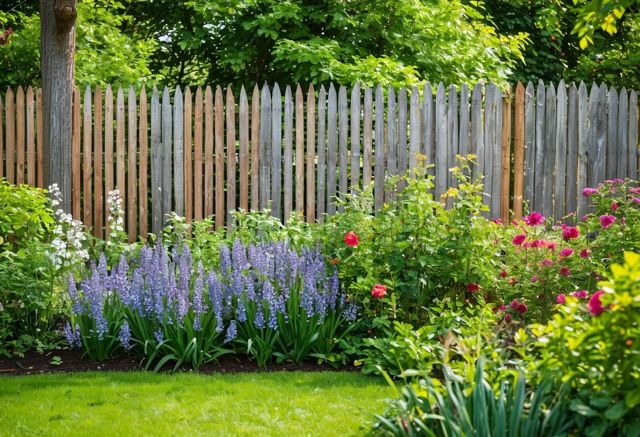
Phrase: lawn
(283,404)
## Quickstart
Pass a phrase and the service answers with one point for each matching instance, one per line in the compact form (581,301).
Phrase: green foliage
(595,349)
(593,14)
(104,53)
(417,248)
(28,305)
(471,406)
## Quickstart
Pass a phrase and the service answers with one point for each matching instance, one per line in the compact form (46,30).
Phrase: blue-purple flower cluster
(169,289)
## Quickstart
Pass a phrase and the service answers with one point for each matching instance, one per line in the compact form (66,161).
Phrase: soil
(71,361)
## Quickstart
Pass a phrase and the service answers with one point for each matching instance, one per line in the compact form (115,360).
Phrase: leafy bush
(592,344)
(267,299)
(468,407)
(414,246)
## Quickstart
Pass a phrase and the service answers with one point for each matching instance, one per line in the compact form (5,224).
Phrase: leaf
(615,412)
(582,409)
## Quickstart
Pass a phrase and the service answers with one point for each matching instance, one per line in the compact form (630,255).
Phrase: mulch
(72,361)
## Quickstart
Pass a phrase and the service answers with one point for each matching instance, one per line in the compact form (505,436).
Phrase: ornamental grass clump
(266,300)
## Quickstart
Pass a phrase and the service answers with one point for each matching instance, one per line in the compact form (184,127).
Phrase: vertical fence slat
(231,155)
(497,150)
(39,144)
(311,155)
(549,152)
(391,143)
(98,180)
(144,168)
(244,149)
(265,147)
(559,199)
(477,132)
(427,124)
(299,150)
(2,149)
(156,162)
(20,136)
(633,152)
(518,151)
(208,152)
(188,155)
(132,155)
(405,155)
(539,166)
(452,133)
(572,150)
(167,148)
(601,136)
(441,144)
(31,135)
(219,157)
(415,134)
(10,130)
(332,152)
(583,145)
(76,172)
(322,170)
(120,147)
(276,152)
(255,148)
(343,137)
(621,157)
(87,172)
(355,136)
(464,139)
(288,154)
(612,135)
(198,158)
(489,143)
(594,103)
(379,150)
(367,136)
(178,151)
(506,160)
(108,147)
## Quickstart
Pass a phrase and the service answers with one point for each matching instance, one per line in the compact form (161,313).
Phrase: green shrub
(593,345)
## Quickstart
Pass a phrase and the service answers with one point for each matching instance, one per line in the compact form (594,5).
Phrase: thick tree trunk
(57,50)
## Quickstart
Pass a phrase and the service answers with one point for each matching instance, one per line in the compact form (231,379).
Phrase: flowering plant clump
(592,344)
(274,301)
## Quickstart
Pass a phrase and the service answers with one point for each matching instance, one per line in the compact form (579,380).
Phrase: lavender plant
(267,299)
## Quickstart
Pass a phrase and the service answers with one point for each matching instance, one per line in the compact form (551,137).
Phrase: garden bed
(71,360)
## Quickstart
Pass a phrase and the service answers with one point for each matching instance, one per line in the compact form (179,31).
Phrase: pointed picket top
(166,96)
(311,91)
(178,93)
(243,94)
(276,91)
(441,90)
(298,91)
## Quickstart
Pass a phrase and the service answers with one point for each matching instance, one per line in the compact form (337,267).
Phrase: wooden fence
(205,153)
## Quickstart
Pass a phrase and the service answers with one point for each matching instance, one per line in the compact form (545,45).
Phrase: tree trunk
(57,50)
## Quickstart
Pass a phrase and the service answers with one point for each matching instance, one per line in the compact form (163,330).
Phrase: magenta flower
(636,200)
(533,219)
(580,294)
(566,252)
(503,274)
(551,245)
(586,192)
(594,305)
(584,253)
(606,221)
(614,206)
(534,278)
(546,262)
(564,271)
(570,232)
(635,190)
(472,288)
(519,239)
(561,299)
(522,308)
(514,304)
(507,318)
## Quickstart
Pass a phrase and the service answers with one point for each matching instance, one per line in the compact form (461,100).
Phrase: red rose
(379,291)
(472,288)
(351,239)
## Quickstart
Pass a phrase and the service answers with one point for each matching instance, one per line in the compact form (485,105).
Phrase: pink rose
(519,239)
(594,305)
(379,291)
(606,221)
(533,219)
(561,299)
(566,252)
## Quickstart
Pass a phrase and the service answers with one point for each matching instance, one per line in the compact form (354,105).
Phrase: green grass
(137,403)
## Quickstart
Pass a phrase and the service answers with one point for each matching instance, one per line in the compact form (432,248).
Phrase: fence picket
(518,152)
(477,131)
(87,172)
(276,152)
(98,204)
(132,174)
(572,150)
(452,134)
(187,124)
(311,155)
(243,128)
(108,149)
(208,153)
(219,157)
(76,176)
(265,148)
(404,155)
(367,136)
(379,170)
(120,148)
(231,155)
(39,145)
(427,125)
(143,194)
(496,140)
(355,136)
(549,152)
(583,146)
(255,148)
(601,136)
(198,158)
(156,163)
(343,136)
(167,149)
(441,146)
(539,166)
(415,134)
(489,144)
(287,158)
(464,138)
(391,140)
(623,136)
(633,151)
(322,170)
(332,152)
(506,160)
(178,151)
(561,153)
(31,135)
(299,116)
(20,136)
(10,130)
(612,134)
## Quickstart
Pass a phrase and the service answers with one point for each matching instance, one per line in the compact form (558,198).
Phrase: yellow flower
(451,192)
(420,157)
(472,156)
(454,169)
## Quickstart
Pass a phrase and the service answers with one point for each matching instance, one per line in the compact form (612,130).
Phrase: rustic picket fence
(205,153)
